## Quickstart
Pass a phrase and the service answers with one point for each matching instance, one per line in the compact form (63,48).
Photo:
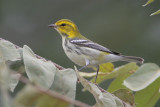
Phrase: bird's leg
(82,68)
(97,73)
(87,63)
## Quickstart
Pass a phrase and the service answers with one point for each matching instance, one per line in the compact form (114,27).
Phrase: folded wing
(90,44)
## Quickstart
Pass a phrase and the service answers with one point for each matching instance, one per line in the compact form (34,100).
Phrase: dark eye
(63,24)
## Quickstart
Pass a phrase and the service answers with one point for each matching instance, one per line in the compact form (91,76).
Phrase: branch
(104,91)
(39,57)
(54,94)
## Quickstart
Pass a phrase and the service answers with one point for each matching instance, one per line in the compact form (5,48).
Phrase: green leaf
(47,101)
(144,76)
(30,96)
(155,13)
(39,71)
(118,72)
(148,2)
(123,72)
(125,95)
(103,98)
(148,96)
(118,83)
(26,97)
(105,67)
(65,83)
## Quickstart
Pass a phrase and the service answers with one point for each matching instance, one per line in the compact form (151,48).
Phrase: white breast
(72,53)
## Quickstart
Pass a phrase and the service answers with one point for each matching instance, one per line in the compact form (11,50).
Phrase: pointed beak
(52,25)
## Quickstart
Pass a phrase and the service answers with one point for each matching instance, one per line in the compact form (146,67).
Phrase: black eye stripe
(63,24)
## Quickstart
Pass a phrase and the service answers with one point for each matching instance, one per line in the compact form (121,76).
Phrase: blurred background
(121,25)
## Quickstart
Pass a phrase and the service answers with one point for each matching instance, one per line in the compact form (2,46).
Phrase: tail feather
(133,59)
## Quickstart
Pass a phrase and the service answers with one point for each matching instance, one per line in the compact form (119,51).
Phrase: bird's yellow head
(66,28)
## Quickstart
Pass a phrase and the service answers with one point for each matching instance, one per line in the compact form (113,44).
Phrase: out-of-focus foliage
(30,95)
(40,72)
(125,95)
(148,96)
(149,2)
(4,76)
(50,87)
(8,55)
(155,13)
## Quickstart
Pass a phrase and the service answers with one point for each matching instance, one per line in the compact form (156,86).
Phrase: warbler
(85,52)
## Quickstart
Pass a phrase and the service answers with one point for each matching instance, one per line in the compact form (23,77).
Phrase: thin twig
(54,94)
(39,57)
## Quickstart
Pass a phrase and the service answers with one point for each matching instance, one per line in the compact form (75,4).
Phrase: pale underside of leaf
(144,76)
(39,71)
(9,53)
(65,83)
(14,80)
(4,75)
